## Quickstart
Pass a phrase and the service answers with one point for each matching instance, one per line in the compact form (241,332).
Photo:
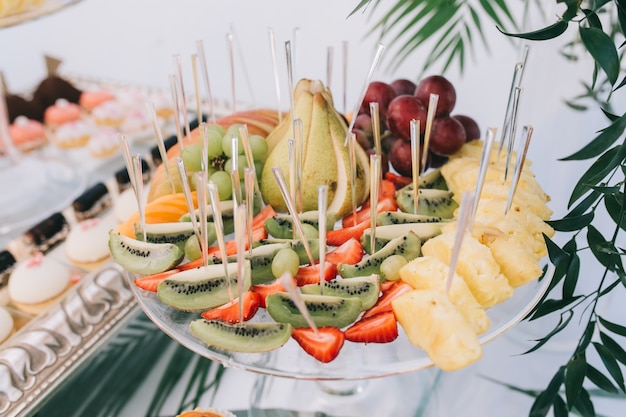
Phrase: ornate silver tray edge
(37,358)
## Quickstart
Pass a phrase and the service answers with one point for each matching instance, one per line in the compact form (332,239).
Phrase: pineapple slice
(433,324)
(462,174)
(427,272)
(476,266)
(517,262)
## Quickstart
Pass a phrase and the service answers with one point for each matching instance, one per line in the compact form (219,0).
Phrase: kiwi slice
(430,202)
(281,227)
(227,208)
(386,233)
(260,258)
(173,232)
(296,244)
(366,289)
(408,245)
(241,337)
(325,310)
(202,288)
(398,217)
(143,257)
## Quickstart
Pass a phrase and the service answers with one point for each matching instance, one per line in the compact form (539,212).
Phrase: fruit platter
(367,261)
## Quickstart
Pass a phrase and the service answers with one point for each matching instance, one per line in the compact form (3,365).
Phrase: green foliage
(599,194)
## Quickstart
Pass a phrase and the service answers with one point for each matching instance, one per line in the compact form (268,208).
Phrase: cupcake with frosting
(89,100)
(27,134)
(74,134)
(61,112)
(104,143)
(109,114)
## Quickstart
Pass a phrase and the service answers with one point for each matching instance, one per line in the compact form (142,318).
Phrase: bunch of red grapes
(401,101)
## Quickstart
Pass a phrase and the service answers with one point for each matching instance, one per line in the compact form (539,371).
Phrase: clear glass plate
(355,362)
(35,187)
(45,8)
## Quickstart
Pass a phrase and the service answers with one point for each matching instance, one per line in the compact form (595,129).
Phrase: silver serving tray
(37,358)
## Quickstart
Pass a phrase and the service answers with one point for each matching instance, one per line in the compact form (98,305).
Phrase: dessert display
(385,262)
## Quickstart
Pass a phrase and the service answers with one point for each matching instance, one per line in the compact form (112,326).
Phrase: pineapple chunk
(476,266)
(427,272)
(517,262)
(433,324)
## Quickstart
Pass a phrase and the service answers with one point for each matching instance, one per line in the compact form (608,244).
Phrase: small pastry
(87,245)
(163,106)
(53,88)
(7,265)
(104,143)
(89,100)
(123,180)
(92,202)
(136,122)
(7,324)
(125,205)
(46,234)
(27,134)
(61,112)
(37,283)
(109,113)
(72,135)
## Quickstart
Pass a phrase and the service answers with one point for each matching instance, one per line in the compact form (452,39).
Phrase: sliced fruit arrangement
(370,283)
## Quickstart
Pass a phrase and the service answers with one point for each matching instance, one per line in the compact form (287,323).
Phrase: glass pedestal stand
(400,395)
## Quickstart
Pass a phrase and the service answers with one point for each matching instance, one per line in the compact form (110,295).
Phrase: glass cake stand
(356,370)
(45,8)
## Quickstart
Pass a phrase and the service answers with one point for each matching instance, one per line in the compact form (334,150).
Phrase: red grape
(400,157)
(362,139)
(386,142)
(384,162)
(446,137)
(403,86)
(379,92)
(401,111)
(472,131)
(436,84)
(363,122)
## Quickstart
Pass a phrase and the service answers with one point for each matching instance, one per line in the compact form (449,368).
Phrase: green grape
(192,178)
(192,248)
(258,168)
(310,231)
(224,186)
(215,128)
(285,260)
(242,165)
(390,267)
(259,147)
(214,142)
(227,141)
(192,158)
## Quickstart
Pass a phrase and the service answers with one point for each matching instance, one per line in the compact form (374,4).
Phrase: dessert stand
(354,380)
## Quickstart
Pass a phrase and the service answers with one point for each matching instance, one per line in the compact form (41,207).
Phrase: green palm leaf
(452,25)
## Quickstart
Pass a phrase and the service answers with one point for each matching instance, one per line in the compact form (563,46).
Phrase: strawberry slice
(340,236)
(263,290)
(310,274)
(398,180)
(265,213)
(151,282)
(350,253)
(363,215)
(384,302)
(381,328)
(229,312)
(387,189)
(324,345)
